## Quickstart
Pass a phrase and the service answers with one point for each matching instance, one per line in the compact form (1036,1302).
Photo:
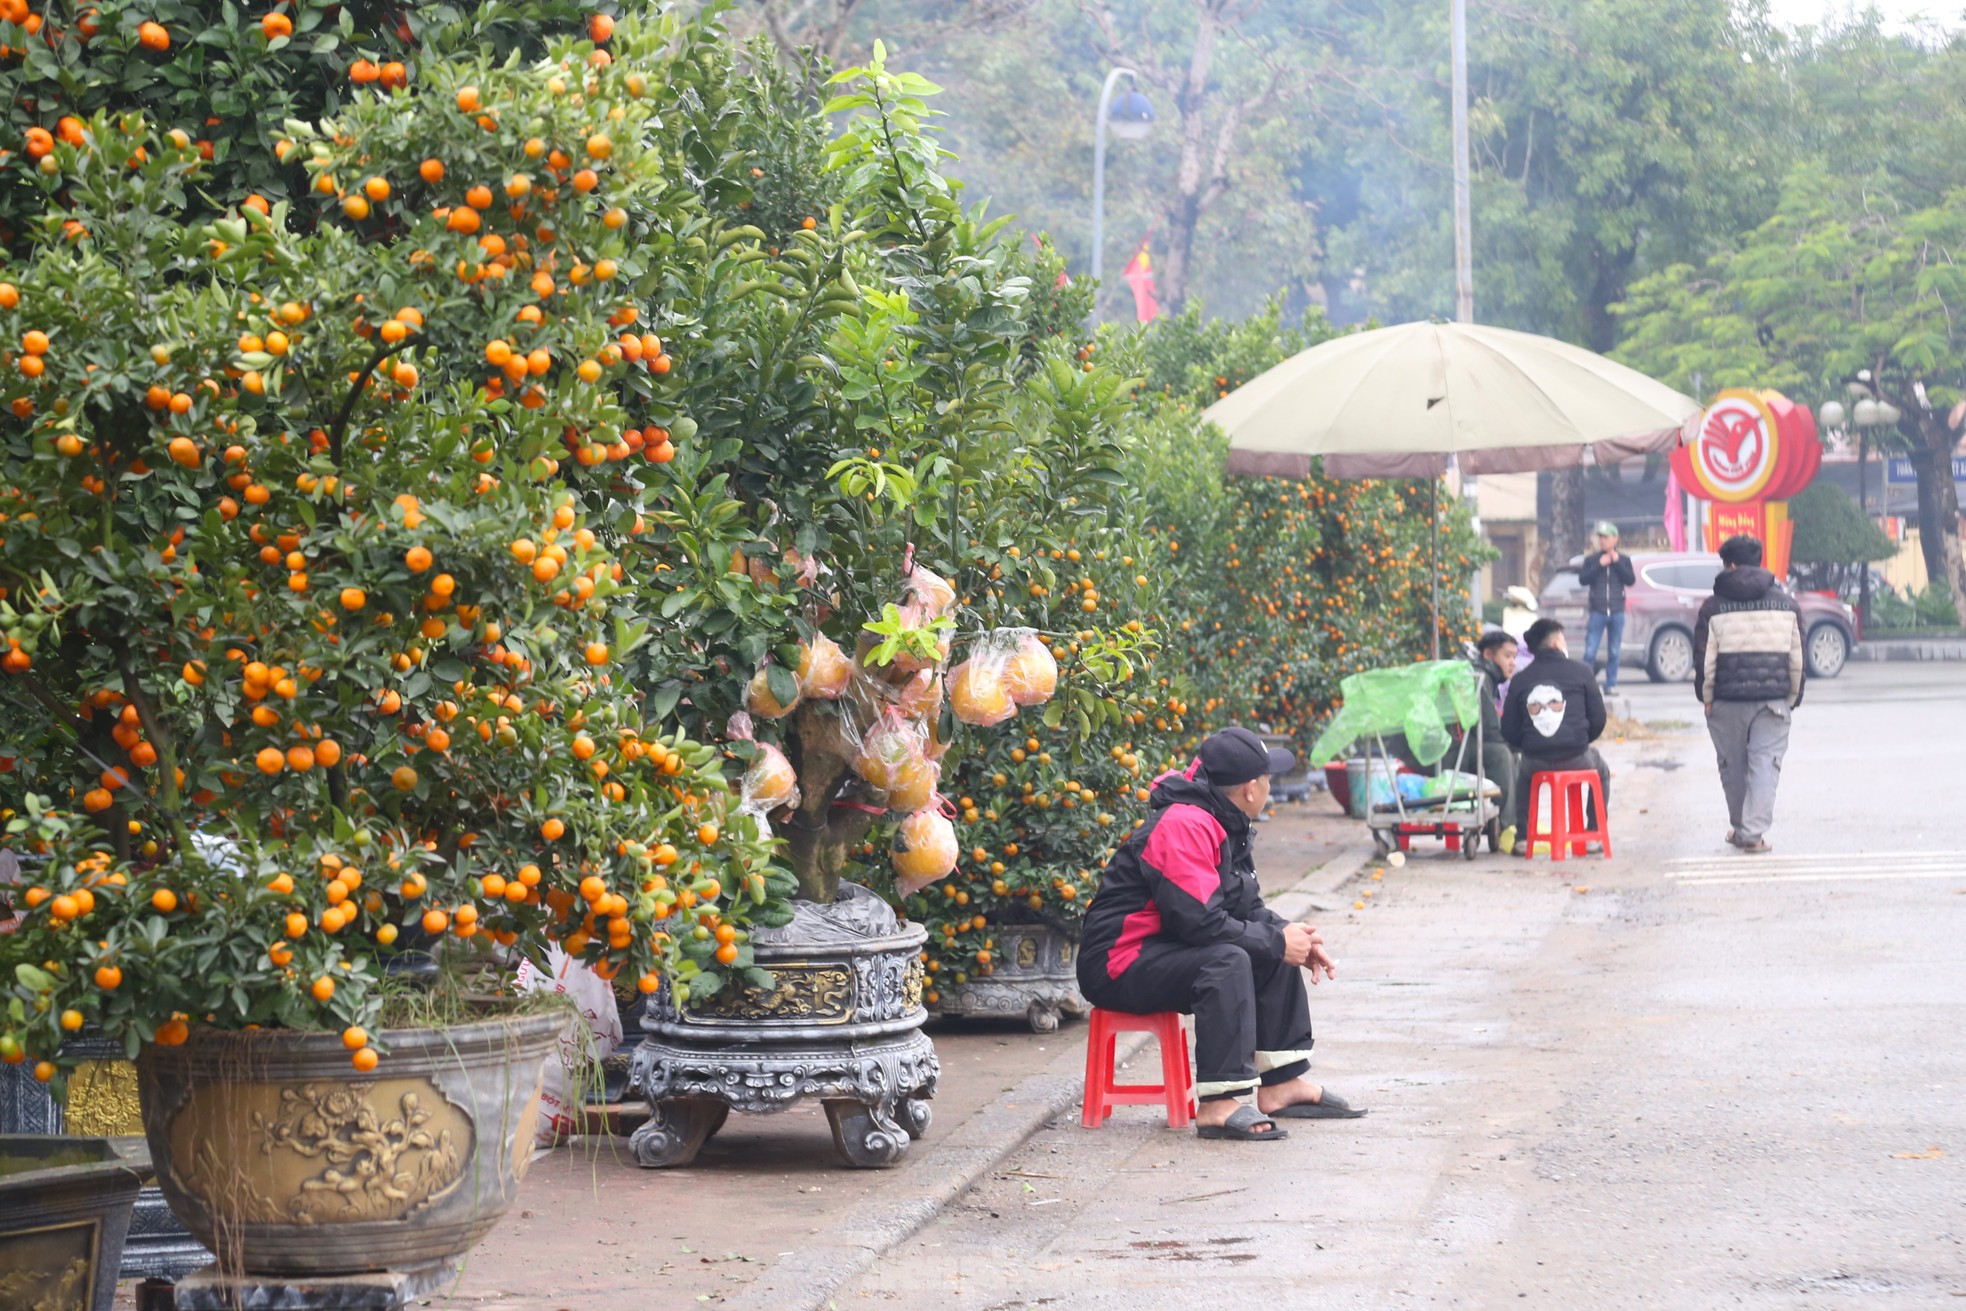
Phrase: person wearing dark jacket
(1494,665)
(1606,574)
(1553,714)
(1748,673)
(1178,924)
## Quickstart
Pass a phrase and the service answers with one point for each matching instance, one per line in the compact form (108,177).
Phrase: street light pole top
(1131,117)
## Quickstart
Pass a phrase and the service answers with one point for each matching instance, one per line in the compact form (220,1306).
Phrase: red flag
(1675,516)
(1139,274)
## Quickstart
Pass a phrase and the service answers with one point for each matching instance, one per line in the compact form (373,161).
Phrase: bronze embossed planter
(284,1161)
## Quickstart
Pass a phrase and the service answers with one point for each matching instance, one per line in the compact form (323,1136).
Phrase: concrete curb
(808,1278)
(1910,648)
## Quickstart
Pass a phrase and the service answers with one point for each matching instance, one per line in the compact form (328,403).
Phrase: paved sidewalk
(767,1217)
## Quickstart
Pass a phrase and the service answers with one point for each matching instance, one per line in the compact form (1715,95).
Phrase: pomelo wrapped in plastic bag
(924,851)
(893,759)
(770,781)
(931,592)
(762,702)
(1031,673)
(920,697)
(824,670)
(980,687)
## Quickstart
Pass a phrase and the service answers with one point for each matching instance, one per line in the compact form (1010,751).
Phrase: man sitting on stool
(1178,924)
(1554,713)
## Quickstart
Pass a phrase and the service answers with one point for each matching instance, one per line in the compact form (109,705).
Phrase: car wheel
(1671,658)
(1826,651)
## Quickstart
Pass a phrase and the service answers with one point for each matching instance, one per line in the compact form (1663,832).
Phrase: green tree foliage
(1844,279)
(1833,539)
(1830,529)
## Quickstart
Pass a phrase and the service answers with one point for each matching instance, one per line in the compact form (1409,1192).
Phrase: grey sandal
(1242,1126)
(1331,1107)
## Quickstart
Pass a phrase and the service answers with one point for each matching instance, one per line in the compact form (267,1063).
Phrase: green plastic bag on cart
(1419,700)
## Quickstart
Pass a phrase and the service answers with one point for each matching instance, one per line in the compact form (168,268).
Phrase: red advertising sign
(1747,454)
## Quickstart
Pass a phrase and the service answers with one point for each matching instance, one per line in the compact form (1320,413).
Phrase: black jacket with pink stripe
(1187,875)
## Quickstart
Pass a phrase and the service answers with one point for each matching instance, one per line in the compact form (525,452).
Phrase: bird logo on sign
(1732,443)
(1733,454)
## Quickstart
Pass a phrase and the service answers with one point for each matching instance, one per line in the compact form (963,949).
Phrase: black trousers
(1533,765)
(1252,1022)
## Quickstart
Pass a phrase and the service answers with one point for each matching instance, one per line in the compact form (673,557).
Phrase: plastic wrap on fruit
(979,689)
(930,591)
(760,701)
(1031,673)
(894,762)
(824,670)
(770,782)
(920,697)
(924,851)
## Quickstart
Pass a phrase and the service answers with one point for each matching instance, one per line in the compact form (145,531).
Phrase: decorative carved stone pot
(843,1025)
(1034,974)
(284,1161)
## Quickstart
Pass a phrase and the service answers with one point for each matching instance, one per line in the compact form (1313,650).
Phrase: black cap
(1236,755)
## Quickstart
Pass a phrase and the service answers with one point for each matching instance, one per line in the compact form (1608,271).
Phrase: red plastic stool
(1176,1090)
(1569,829)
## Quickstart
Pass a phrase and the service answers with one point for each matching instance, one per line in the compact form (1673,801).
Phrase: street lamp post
(1129,120)
(1865,413)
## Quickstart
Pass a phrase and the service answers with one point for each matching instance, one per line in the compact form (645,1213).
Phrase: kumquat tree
(314,654)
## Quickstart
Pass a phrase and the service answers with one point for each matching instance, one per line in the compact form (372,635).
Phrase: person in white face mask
(1553,714)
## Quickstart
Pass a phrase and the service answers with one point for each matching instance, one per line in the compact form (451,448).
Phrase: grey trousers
(1749,738)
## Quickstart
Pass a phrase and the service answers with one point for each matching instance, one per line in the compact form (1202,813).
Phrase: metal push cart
(1418,700)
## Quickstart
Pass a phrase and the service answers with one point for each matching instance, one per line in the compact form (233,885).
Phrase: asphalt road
(1682,1077)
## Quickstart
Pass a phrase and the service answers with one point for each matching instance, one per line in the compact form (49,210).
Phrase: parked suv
(1661,606)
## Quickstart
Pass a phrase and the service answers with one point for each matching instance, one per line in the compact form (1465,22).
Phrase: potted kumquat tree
(313,687)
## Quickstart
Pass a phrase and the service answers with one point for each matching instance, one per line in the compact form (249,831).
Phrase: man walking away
(1494,664)
(1747,672)
(1607,574)
(1553,714)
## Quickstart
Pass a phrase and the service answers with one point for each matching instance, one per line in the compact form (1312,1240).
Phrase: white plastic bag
(589,1038)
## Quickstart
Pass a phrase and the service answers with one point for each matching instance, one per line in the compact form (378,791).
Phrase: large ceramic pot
(64,1210)
(283,1160)
(1035,975)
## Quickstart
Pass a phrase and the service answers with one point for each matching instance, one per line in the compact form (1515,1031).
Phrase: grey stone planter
(64,1210)
(843,1026)
(1034,974)
(102,1102)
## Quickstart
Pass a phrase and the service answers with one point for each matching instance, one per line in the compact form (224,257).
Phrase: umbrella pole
(1433,555)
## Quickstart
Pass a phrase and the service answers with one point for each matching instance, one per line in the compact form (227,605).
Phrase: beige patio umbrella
(1398,402)
(1401,402)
